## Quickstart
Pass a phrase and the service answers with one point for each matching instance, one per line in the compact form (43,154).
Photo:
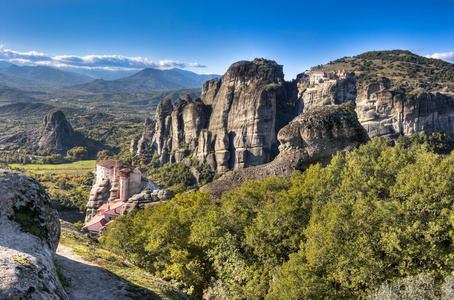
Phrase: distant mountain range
(101,73)
(147,79)
(40,76)
(14,76)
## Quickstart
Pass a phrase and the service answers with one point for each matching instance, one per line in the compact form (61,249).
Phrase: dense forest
(377,221)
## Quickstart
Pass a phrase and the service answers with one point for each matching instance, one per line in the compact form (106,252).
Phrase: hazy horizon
(207,37)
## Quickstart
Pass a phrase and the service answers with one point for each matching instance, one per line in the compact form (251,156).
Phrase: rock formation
(107,185)
(100,193)
(385,107)
(312,137)
(231,126)
(145,198)
(29,235)
(389,108)
(328,93)
(56,132)
(140,145)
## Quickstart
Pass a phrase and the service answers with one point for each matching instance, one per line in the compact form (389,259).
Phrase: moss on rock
(30,220)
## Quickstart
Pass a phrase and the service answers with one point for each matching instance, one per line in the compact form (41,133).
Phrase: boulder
(29,235)
(323,131)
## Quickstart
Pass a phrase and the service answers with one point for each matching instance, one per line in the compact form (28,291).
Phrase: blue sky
(208,36)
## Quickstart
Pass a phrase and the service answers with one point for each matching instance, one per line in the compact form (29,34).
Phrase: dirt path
(86,280)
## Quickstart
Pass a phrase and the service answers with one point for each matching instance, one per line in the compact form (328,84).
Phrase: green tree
(77,153)
(103,155)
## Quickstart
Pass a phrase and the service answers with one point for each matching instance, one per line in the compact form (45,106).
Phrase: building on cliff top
(331,75)
(130,178)
(315,77)
(130,181)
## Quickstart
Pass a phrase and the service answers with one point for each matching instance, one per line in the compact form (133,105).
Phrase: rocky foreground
(29,235)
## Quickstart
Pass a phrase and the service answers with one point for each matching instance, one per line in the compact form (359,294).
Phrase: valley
(336,184)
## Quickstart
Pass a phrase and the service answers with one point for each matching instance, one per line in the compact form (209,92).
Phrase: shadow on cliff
(83,280)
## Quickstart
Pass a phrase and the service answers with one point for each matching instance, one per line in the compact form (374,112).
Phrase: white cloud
(33,56)
(107,62)
(448,56)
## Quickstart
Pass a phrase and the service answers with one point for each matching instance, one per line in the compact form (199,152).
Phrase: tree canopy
(377,214)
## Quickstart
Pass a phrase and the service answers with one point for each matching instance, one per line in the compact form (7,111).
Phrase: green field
(77,167)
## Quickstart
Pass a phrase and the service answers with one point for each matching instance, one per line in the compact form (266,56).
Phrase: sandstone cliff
(56,132)
(385,107)
(327,93)
(312,137)
(391,108)
(107,190)
(29,235)
(100,193)
(231,126)
(146,198)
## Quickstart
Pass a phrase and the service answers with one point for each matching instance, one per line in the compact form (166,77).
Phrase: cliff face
(313,136)
(328,93)
(178,126)
(232,125)
(242,123)
(56,132)
(323,131)
(385,107)
(100,193)
(29,237)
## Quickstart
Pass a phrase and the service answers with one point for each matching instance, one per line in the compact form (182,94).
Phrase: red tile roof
(96,219)
(110,206)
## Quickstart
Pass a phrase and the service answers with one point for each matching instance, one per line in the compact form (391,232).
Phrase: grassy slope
(77,167)
(141,282)
(398,64)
